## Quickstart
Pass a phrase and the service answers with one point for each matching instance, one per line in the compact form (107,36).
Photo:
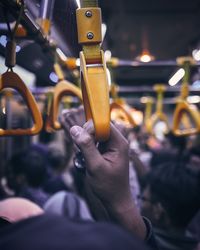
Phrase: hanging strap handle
(63,88)
(122,113)
(94,81)
(158,115)
(12,80)
(183,108)
(148,111)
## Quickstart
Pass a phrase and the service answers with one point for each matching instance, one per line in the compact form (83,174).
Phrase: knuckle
(85,140)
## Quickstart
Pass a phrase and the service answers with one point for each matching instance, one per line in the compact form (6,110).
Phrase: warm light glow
(177,77)
(145,57)
(193,99)
(137,116)
(78,3)
(108,76)
(196,54)
(4,110)
(61,54)
(78,62)
(107,55)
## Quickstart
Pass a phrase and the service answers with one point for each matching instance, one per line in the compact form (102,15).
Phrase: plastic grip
(183,108)
(95,91)
(61,89)
(125,113)
(12,80)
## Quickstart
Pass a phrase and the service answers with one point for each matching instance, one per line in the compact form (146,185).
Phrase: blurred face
(148,206)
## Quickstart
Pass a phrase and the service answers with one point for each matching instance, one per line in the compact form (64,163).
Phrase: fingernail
(75,131)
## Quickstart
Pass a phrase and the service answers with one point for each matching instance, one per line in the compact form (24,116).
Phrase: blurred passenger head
(57,160)
(171,196)
(28,167)
(15,209)
(162,156)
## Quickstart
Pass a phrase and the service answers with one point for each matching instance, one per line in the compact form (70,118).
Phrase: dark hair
(162,156)
(178,142)
(177,188)
(35,170)
(32,164)
(56,159)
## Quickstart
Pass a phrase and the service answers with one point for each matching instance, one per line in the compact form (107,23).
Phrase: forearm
(126,214)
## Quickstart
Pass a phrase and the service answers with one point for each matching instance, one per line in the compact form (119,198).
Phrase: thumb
(87,146)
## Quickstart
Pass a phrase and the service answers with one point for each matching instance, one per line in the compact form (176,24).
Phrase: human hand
(71,117)
(107,167)
(107,173)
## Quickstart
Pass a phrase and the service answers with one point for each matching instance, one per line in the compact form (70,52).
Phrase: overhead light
(193,99)
(78,62)
(196,54)
(53,77)
(78,3)
(177,77)
(145,56)
(61,54)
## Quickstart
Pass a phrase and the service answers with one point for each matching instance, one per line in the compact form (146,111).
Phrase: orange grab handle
(12,80)
(147,113)
(124,113)
(184,108)
(95,91)
(61,89)
(158,115)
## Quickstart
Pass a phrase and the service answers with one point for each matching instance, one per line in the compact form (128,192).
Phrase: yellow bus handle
(12,80)
(95,91)
(158,115)
(124,113)
(61,89)
(183,108)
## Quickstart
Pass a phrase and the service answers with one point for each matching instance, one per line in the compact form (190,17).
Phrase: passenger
(60,179)
(16,209)
(68,204)
(107,176)
(26,175)
(170,200)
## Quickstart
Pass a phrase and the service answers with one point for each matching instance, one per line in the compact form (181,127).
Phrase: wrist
(121,204)
(125,213)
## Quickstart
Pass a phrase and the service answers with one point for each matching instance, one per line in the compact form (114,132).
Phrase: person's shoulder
(46,231)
